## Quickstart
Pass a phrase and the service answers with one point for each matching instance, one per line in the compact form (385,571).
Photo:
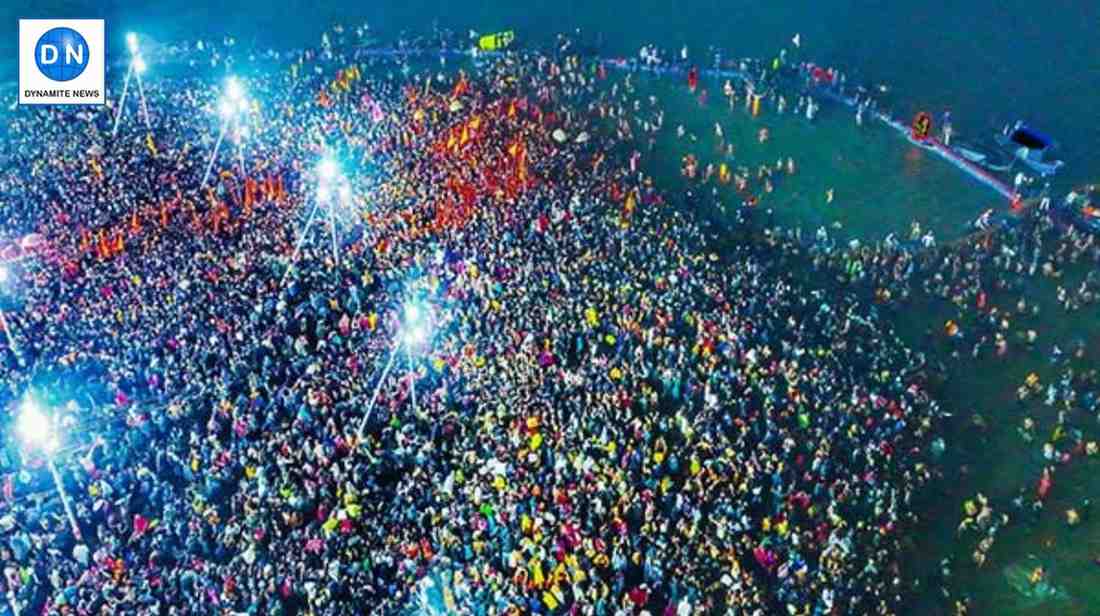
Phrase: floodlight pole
(214,154)
(377,388)
(122,101)
(141,95)
(301,240)
(412,382)
(332,223)
(7,332)
(64,498)
(240,156)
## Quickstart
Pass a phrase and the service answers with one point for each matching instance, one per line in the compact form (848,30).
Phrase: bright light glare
(414,336)
(327,169)
(132,42)
(233,89)
(243,105)
(34,427)
(323,192)
(415,326)
(345,193)
(139,65)
(226,109)
(3,274)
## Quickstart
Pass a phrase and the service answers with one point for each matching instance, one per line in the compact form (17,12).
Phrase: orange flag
(461,86)
(220,215)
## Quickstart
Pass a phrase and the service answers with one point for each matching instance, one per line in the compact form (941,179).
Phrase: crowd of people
(1002,284)
(604,413)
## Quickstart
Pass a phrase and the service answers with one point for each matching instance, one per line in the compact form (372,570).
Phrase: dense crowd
(609,415)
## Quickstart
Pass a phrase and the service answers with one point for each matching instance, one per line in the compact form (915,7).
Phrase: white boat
(1030,147)
(985,158)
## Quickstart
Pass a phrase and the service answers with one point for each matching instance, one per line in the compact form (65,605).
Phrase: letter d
(49,54)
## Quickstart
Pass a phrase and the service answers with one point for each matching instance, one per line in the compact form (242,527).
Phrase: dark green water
(988,62)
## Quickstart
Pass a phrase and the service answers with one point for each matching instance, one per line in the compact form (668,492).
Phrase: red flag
(461,86)
(140,524)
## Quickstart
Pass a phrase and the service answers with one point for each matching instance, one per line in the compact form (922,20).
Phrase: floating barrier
(951,156)
(930,143)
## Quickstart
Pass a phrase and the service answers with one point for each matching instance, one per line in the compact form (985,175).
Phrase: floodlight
(226,109)
(233,89)
(34,426)
(327,169)
(415,335)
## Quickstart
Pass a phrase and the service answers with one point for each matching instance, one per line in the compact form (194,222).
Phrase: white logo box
(87,89)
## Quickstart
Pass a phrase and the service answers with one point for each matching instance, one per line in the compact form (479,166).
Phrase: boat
(1030,147)
(987,158)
